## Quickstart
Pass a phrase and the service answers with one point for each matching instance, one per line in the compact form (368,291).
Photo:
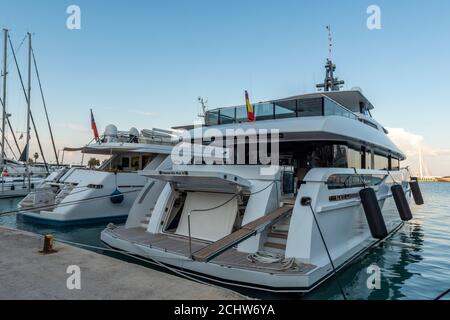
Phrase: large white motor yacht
(79,195)
(289,226)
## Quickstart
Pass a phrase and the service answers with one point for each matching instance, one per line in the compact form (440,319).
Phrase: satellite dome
(134,132)
(111,133)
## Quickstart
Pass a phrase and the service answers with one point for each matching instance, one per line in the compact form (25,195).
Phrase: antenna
(330,43)
(331,83)
(204,104)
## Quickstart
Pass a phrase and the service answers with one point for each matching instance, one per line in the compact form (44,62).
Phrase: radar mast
(330,83)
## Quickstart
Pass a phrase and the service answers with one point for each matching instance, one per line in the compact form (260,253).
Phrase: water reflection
(414,262)
(395,271)
(395,257)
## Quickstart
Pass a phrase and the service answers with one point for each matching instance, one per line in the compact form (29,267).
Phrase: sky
(143,64)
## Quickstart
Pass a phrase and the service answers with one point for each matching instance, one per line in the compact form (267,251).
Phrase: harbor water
(414,262)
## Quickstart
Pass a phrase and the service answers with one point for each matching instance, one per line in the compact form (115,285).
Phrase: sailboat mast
(28,112)
(5,72)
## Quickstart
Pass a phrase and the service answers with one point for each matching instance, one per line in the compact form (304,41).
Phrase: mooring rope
(328,252)
(442,294)
(149,260)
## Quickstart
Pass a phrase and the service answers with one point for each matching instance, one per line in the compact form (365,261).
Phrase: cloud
(434,161)
(77,127)
(412,143)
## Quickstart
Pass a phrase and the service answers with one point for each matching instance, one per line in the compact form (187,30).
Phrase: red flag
(250,113)
(94,127)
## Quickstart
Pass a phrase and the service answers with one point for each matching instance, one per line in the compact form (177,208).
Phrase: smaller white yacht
(14,179)
(79,195)
(16,169)
(15,187)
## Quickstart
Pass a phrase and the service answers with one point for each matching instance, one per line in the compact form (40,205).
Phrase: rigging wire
(6,140)
(7,118)
(45,107)
(18,49)
(26,98)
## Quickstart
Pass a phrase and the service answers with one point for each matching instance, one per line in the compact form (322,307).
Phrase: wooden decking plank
(209,252)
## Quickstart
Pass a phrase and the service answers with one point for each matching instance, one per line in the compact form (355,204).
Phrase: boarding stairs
(216,248)
(146,219)
(277,237)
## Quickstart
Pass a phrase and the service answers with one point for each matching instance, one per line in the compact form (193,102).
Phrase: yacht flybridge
(286,225)
(78,195)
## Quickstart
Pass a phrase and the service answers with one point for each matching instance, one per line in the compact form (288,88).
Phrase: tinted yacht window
(381,162)
(285,109)
(310,107)
(227,115)
(264,111)
(241,114)
(212,118)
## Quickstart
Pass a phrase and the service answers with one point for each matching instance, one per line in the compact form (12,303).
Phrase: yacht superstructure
(79,195)
(277,226)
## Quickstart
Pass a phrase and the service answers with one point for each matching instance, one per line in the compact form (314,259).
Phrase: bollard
(48,244)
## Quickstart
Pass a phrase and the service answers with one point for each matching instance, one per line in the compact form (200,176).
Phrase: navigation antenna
(204,104)
(330,83)
(330,42)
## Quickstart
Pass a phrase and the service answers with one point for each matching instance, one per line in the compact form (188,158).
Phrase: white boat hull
(17,187)
(84,197)
(343,223)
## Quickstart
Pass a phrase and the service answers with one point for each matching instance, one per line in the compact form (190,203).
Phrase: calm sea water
(414,262)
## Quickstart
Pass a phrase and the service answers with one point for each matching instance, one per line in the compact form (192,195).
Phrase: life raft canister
(373,213)
(400,201)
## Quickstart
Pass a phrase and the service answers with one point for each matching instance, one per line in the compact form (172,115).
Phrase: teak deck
(229,257)
(180,246)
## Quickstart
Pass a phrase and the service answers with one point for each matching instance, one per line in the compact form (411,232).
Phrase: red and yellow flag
(250,113)
(94,127)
